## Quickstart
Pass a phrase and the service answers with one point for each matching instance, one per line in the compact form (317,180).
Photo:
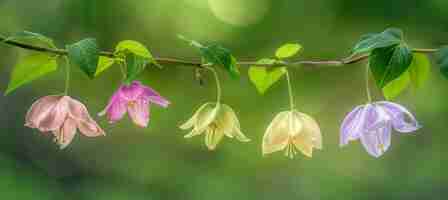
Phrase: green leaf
(218,55)
(442,60)
(369,42)
(31,68)
(389,63)
(103,64)
(84,54)
(35,39)
(419,70)
(397,86)
(416,75)
(263,78)
(134,47)
(134,66)
(288,50)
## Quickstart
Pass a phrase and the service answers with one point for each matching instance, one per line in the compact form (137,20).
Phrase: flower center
(131,103)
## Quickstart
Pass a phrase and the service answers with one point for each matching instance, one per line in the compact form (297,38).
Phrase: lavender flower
(373,124)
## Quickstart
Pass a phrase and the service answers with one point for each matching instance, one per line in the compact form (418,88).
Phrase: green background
(158,163)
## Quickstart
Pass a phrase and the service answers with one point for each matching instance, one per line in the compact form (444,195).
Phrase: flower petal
(191,122)
(240,136)
(353,125)
(312,128)
(212,138)
(116,108)
(295,124)
(40,109)
(377,141)
(155,97)
(85,123)
(139,112)
(402,120)
(277,134)
(66,133)
(206,116)
(56,117)
(304,143)
(131,92)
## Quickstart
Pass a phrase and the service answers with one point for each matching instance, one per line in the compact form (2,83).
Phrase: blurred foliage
(158,163)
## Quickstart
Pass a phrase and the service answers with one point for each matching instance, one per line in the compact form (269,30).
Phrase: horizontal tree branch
(344,61)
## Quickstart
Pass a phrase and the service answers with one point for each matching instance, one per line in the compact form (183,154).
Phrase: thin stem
(218,85)
(67,75)
(369,96)
(291,97)
(123,70)
(198,63)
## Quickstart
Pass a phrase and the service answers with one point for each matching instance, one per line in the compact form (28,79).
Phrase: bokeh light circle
(239,12)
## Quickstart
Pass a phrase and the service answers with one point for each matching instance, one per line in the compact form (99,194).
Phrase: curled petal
(65,135)
(139,112)
(85,123)
(228,122)
(240,136)
(377,141)
(276,137)
(56,117)
(402,120)
(90,129)
(353,125)
(40,109)
(191,122)
(155,97)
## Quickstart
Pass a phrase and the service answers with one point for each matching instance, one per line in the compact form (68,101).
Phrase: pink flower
(62,115)
(134,99)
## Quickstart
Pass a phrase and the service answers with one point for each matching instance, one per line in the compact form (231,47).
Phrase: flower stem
(291,97)
(369,96)
(218,85)
(67,75)
(123,71)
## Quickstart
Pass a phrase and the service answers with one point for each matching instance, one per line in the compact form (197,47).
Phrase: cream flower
(292,131)
(216,120)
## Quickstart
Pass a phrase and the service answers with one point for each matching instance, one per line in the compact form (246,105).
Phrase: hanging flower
(373,124)
(134,99)
(216,120)
(62,115)
(292,131)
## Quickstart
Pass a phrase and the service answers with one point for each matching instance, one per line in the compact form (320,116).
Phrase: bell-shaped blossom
(62,115)
(134,99)
(373,124)
(292,131)
(215,120)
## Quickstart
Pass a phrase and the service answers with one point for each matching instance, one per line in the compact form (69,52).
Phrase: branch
(344,61)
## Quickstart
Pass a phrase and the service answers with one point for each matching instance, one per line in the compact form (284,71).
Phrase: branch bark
(164,60)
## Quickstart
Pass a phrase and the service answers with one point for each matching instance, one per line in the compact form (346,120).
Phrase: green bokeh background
(158,163)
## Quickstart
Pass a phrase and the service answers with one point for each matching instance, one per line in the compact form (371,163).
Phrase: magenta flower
(373,124)
(62,115)
(134,99)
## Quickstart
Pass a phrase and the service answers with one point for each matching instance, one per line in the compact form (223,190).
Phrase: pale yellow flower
(215,120)
(292,131)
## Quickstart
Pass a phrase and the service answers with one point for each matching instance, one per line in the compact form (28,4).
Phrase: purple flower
(373,124)
(134,99)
